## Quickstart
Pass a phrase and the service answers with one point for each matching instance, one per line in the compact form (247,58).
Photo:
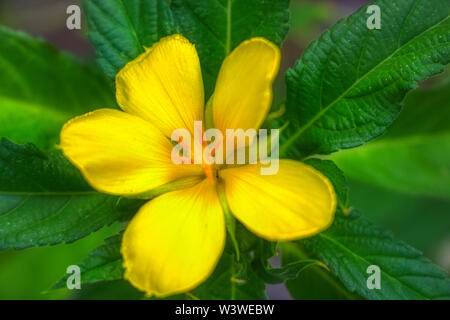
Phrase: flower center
(210,170)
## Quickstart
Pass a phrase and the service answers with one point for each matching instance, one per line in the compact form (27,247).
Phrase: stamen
(210,172)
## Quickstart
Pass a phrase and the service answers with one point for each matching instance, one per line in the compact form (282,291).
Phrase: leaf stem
(230,222)
(191,295)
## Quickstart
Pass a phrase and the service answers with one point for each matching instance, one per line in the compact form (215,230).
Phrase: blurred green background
(419,218)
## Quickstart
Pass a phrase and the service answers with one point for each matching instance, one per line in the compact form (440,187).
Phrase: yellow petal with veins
(295,203)
(174,242)
(164,85)
(243,93)
(121,154)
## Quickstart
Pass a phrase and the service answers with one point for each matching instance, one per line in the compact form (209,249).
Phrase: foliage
(33,110)
(353,244)
(349,85)
(420,138)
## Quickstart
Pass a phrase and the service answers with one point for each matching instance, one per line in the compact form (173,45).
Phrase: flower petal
(121,154)
(174,242)
(164,85)
(243,93)
(296,202)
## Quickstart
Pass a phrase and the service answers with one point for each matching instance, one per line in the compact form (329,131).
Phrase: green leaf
(315,282)
(247,240)
(428,233)
(216,27)
(107,290)
(232,280)
(102,275)
(121,30)
(44,200)
(41,88)
(103,263)
(349,85)
(352,244)
(19,268)
(414,156)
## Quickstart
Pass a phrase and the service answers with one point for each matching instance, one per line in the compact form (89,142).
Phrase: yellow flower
(175,240)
